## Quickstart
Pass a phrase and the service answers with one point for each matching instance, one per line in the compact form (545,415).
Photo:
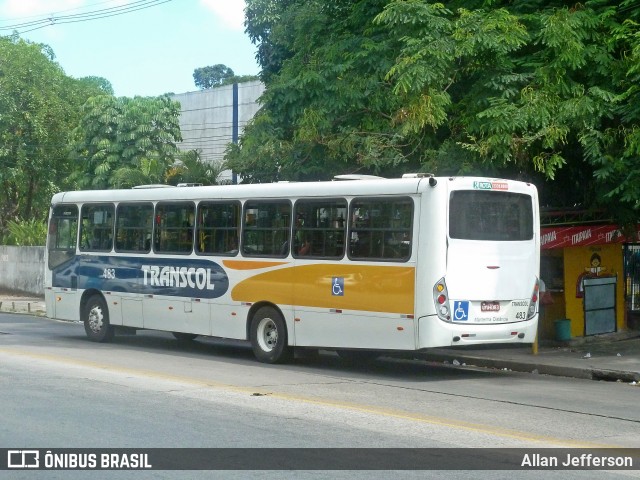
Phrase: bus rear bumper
(433,332)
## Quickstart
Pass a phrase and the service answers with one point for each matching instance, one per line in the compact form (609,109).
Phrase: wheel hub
(267,334)
(95,319)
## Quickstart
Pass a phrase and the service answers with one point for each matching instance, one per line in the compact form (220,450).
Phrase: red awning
(560,237)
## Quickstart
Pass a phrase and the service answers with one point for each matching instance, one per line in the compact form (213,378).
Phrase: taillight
(441,300)
(533,303)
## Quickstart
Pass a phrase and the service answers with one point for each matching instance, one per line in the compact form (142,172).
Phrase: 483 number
(109,273)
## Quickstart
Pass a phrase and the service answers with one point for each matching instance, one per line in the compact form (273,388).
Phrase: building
(592,270)
(211,119)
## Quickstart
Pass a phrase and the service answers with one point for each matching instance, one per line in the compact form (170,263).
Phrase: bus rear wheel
(268,335)
(96,319)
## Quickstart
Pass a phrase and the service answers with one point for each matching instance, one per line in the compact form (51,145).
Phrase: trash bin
(563,329)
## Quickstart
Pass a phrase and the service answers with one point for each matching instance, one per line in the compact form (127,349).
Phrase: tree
(98,83)
(614,148)
(123,142)
(39,105)
(217,76)
(266,24)
(538,90)
(212,76)
(327,108)
(191,168)
(533,87)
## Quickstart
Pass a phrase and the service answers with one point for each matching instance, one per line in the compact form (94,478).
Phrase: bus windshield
(490,216)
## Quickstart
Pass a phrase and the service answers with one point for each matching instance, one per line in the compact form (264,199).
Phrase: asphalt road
(58,390)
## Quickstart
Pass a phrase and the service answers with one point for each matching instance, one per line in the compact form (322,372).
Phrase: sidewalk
(613,357)
(17,303)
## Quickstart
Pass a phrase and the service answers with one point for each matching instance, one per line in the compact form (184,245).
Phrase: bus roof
(340,188)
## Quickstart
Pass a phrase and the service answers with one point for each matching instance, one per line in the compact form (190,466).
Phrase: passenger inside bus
(305,249)
(301,240)
(187,232)
(232,247)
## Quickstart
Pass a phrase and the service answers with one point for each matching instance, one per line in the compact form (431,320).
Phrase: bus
(360,266)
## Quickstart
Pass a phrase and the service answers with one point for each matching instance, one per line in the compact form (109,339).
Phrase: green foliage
(239,79)
(211,76)
(123,142)
(328,108)
(535,87)
(545,91)
(98,83)
(190,168)
(26,233)
(267,24)
(39,105)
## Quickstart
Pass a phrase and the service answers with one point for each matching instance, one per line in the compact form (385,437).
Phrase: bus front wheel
(96,319)
(268,335)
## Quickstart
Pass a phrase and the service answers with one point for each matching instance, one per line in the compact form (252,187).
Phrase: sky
(143,47)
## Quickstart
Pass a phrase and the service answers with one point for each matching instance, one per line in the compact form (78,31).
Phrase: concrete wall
(206,118)
(22,269)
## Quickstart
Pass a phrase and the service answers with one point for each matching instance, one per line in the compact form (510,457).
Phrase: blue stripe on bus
(181,277)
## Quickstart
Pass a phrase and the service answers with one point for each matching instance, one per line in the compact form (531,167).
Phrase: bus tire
(268,335)
(184,337)
(95,315)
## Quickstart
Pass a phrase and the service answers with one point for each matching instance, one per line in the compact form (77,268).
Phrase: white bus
(358,266)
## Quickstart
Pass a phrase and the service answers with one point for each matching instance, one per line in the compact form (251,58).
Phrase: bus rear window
(490,215)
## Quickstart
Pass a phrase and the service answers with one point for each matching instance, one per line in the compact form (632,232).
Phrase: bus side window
(218,228)
(134,223)
(381,229)
(97,227)
(319,229)
(174,227)
(267,227)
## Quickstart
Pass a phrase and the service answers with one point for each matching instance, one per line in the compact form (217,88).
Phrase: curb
(587,373)
(30,307)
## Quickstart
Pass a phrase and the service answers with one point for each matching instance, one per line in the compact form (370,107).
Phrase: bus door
(62,262)
(174,314)
(175,293)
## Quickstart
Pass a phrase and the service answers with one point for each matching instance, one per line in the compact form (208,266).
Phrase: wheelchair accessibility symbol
(460,311)
(337,286)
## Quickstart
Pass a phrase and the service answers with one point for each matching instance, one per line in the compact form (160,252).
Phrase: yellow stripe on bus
(367,288)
